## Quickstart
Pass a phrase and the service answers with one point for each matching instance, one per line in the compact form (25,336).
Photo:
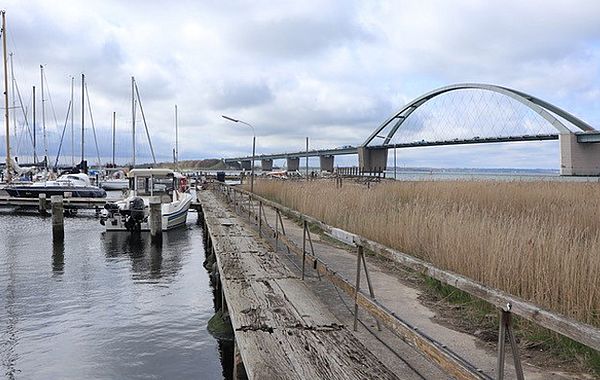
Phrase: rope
(87,95)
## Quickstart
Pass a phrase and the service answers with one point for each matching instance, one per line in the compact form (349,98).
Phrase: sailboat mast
(82,117)
(44,116)
(72,126)
(14,99)
(6,117)
(34,141)
(176,138)
(113,137)
(133,119)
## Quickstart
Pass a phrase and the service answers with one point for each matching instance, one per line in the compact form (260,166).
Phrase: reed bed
(536,240)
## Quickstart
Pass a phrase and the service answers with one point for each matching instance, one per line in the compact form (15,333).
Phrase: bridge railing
(507,304)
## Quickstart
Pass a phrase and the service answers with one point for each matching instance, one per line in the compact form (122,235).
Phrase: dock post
(58,218)
(42,204)
(155,219)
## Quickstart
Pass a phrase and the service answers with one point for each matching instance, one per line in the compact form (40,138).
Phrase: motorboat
(68,185)
(116,179)
(115,184)
(131,213)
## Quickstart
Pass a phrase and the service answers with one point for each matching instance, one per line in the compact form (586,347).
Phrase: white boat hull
(173,216)
(115,184)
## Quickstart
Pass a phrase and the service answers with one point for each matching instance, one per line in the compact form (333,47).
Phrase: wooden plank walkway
(282,329)
(80,203)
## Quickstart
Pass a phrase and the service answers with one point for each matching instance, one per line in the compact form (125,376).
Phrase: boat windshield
(154,185)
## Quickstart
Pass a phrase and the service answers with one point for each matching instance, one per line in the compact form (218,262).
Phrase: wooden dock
(282,330)
(69,203)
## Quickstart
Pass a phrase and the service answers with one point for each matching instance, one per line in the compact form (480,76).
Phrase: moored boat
(131,214)
(72,185)
(115,178)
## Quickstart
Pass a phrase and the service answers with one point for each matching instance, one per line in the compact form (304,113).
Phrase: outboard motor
(136,214)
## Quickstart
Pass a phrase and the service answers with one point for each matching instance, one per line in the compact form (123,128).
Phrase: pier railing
(355,171)
(507,304)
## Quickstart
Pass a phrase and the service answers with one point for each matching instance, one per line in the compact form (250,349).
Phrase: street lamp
(253,148)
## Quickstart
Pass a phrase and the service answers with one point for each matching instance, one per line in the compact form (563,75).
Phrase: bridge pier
(293,164)
(266,164)
(246,164)
(326,163)
(371,160)
(578,159)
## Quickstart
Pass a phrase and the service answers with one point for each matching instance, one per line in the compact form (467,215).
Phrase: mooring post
(42,204)
(359,253)
(58,218)
(155,219)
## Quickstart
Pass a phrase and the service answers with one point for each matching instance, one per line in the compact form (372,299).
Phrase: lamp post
(253,148)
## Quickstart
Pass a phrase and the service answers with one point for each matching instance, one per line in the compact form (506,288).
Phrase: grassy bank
(537,240)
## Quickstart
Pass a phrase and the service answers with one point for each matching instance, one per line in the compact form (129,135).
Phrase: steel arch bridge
(579,154)
(542,108)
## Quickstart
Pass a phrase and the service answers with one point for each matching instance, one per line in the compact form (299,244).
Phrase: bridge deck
(282,329)
(415,144)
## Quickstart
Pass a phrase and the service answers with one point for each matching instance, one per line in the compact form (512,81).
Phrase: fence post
(370,285)
(359,253)
(303,248)
(249,203)
(506,329)
(276,231)
(259,218)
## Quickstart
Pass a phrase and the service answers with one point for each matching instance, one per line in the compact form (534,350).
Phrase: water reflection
(58,258)
(150,262)
(9,338)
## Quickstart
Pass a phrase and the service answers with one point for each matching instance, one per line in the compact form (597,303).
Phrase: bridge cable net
(467,114)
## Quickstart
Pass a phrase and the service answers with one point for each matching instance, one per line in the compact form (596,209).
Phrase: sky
(332,71)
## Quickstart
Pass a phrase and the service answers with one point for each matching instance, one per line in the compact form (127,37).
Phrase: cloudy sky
(329,70)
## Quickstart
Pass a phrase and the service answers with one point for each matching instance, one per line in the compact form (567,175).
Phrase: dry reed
(536,240)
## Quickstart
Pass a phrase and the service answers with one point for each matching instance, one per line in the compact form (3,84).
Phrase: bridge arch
(539,106)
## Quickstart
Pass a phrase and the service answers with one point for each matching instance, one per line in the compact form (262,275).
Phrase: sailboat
(76,185)
(8,170)
(131,214)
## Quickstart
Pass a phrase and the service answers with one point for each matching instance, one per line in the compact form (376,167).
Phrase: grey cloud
(297,37)
(239,95)
(331,70)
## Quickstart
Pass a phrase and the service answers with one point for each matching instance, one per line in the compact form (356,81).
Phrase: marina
(299,191)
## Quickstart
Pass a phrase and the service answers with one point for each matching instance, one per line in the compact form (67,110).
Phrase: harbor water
(104,305)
